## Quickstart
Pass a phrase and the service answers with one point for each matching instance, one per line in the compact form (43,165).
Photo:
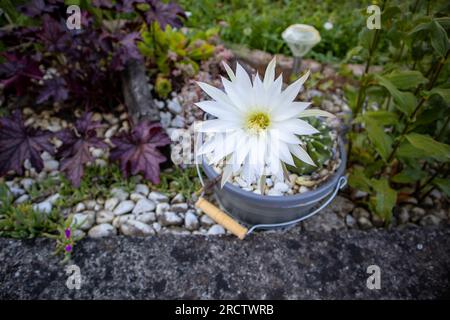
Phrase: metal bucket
(267,212)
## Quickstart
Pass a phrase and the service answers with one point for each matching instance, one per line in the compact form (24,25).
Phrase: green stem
(401,52)
(388,102)
(362,89)
(443,129)
(405,130)
(430,179)
(432,188)
(415,6)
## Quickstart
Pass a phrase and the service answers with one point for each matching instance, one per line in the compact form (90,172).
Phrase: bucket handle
(341,183)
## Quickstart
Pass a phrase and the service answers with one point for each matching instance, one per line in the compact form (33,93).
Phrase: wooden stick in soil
(218,215)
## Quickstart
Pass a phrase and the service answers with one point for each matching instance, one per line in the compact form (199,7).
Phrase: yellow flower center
(258,121)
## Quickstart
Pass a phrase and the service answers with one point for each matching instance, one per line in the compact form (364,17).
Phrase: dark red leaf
(18,143)
(75,149)
(137,152)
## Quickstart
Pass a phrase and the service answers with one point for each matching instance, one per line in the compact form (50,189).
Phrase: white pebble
(281,187)
(124,207)
(216,230)
(111,204)
(105,216)
(191,221)
(142,189)
(102,230)
(136,228)
(144,205)
(158,197)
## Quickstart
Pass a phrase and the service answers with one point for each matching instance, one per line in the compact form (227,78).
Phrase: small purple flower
(67,232)
(68,248)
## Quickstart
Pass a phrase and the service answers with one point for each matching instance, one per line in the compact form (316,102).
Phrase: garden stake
(221,218)
(216,214)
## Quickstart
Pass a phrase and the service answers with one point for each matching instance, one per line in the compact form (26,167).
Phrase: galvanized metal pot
(255,209)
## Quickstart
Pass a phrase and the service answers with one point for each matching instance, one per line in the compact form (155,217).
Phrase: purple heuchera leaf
(102,4)
(127,5)
(165,14)
(75,149)
(54,35)
(138,151)
(37,7)
(18,143)
(17,71)
(53,88)
(126,51)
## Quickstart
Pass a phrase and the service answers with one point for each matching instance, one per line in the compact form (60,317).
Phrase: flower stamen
(258,121)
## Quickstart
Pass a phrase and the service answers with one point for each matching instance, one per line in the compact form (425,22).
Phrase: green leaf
(443,185)
(433,112)
(351,94)
(409,175)
(358,180)
(433,148)
(382,117)
(444,22)
(406,79)
(384,200)
(421,27)
(380,139)
(443,92)
(439,39)
(404,101)
(366,38)
(389,13)
(408,151)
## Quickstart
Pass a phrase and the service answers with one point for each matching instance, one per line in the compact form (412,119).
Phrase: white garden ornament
(301,38)
(257,125)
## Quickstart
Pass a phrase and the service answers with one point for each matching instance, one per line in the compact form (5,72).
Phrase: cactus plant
(319,146)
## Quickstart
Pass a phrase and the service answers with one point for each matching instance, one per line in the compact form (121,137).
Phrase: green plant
(174,52)
(23,222)
(177,180)
(319,146)
(96,183)
(163,86)
(65,238)
(399,146)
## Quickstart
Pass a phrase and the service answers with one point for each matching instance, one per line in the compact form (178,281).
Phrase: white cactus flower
(257,124)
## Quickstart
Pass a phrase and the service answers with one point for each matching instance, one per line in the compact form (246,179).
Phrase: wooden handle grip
(221,218)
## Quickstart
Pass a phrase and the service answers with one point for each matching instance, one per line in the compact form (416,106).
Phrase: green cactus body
(319,146)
